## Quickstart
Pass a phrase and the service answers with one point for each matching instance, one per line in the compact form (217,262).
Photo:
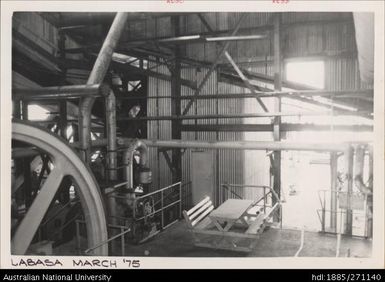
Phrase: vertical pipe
(128,160)
(96,76)
(359,162)
(63,118)
(17,109)
(348,189)
(369,229)
(110,103)
(333,190)
(24,110)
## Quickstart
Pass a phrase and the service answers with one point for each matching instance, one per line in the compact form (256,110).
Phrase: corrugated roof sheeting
(138,29)
(37,29)
(295,17)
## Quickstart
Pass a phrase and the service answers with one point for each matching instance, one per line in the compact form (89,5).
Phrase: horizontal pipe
(307,93)
(235,38)
(59,92)
(200,38)
(24,152)
(102,142)
(269,127)
(248,115)
(242,145)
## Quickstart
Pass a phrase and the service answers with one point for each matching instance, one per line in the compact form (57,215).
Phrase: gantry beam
(213,66)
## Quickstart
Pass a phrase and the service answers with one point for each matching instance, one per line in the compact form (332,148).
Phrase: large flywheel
(64,163)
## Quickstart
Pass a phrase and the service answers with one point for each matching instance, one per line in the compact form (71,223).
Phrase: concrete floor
(177,242)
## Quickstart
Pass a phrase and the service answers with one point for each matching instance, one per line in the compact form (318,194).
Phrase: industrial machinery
(86,184)
(63,188)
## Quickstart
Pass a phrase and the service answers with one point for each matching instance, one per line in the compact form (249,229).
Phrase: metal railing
(163,194)
(123,231)
(338,199)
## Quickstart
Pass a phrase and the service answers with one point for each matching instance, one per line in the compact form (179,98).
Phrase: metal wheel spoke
(66,162)
(30,223)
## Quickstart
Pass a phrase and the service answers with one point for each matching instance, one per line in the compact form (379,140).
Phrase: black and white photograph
(182,133)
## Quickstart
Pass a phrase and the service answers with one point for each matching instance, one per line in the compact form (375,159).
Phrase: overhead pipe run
(241,145)
(97,76)
(60,92)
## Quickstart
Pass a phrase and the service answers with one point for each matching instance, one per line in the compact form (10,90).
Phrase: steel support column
(277,108)
(333,190)
(176,105)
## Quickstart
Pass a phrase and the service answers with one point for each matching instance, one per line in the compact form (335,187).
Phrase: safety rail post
(180,200)
(122,240)
(323,212)
(264,199)
(77,236)
(161,206)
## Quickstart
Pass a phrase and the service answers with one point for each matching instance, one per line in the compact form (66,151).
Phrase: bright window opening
(311,73)
(36,112)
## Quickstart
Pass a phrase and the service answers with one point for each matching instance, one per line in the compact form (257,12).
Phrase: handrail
(107,241)
(162,208)
(123,232)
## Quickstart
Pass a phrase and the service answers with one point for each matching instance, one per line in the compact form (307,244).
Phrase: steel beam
(148,72)
(267,79)
(213,66)
(245,81)
(236,68)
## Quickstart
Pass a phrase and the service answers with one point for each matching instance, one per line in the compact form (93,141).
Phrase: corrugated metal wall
(328,33)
